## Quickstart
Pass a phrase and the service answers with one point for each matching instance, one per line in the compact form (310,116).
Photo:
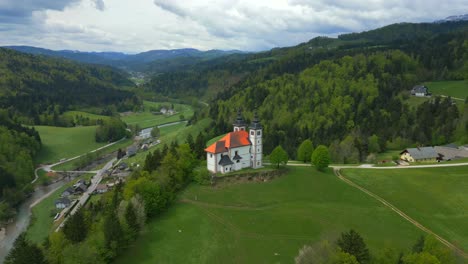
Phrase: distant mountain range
(453,18)
(133,62)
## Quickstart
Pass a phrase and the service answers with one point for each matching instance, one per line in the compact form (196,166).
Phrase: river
(23,217)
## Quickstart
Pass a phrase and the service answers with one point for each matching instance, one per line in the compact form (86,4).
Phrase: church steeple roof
(239,120)
(256,122)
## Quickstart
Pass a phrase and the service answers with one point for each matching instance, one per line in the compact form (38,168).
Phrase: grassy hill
(148,119)
(266,222)
(434,197)
(65,142)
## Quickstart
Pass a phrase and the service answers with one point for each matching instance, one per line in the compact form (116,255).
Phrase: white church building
(238,149)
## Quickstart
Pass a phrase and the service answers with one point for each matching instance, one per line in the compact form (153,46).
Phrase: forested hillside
(18,145)
(36,89)
(345,96)
(437,46)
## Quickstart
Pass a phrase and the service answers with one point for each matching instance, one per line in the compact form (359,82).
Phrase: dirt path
(401,213)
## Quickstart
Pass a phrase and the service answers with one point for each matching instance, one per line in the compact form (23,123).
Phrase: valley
(109,157)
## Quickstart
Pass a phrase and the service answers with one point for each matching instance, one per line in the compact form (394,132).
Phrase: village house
(69,191)
(238,149)
(419,154)
(101,188)
(420,91)
(163,110)
(80,188)
(62,203)
(131,151)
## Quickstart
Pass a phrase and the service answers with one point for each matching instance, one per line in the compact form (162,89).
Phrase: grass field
(435,197)
(65,142)
(147,119)
(458,89)
(93,117)
(266,222)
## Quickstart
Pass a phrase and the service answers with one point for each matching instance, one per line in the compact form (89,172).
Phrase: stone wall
(260,176)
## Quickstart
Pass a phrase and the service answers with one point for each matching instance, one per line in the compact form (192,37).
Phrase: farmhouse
(80,188)
(62,203)
(101,188)
(69,191)
(419,154)
(451,152)
(420,90)
(238,149)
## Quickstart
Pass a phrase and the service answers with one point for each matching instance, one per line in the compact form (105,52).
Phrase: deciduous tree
(279,156)
(305,150)
(321,157)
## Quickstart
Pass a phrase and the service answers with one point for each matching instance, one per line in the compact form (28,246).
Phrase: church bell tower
(239,124)
(255,136)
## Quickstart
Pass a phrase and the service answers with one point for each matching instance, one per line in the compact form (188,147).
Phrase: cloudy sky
(139,25)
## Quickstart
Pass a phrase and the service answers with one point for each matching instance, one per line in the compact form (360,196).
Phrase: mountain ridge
(120,59)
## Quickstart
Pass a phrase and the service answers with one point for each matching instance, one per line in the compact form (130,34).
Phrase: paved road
(95,180)
(401,213)
(368,166)
(49,167)
(146,133)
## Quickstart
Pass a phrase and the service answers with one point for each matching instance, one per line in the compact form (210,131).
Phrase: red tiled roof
(231,140)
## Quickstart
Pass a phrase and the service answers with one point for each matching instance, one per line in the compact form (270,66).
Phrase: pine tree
(75,228)
(131,218)
(419,246)
(352,243)
(25,252)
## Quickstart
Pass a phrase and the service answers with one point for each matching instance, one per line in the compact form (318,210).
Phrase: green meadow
(458,89)
(65,142)
(148,119)
(266,222)
(435,197)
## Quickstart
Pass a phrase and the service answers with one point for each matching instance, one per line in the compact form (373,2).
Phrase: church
(238,149)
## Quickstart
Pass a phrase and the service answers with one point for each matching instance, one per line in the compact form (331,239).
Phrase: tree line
(350,248)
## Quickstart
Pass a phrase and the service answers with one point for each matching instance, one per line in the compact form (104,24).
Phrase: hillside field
(266,222)
(458,89)
(65,142)
(147,119)
(436,197)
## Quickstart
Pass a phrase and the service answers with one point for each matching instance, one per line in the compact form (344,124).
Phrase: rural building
(131,151)
(170,112)
(62,203)
(420,90)
(163,110)
(238,149)
(80,188)
(451,152)
(101,188)
(419,154)
(69,191)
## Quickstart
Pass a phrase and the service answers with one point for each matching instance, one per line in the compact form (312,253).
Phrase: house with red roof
(238,149)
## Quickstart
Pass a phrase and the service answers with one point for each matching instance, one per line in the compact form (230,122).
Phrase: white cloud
(134,26)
